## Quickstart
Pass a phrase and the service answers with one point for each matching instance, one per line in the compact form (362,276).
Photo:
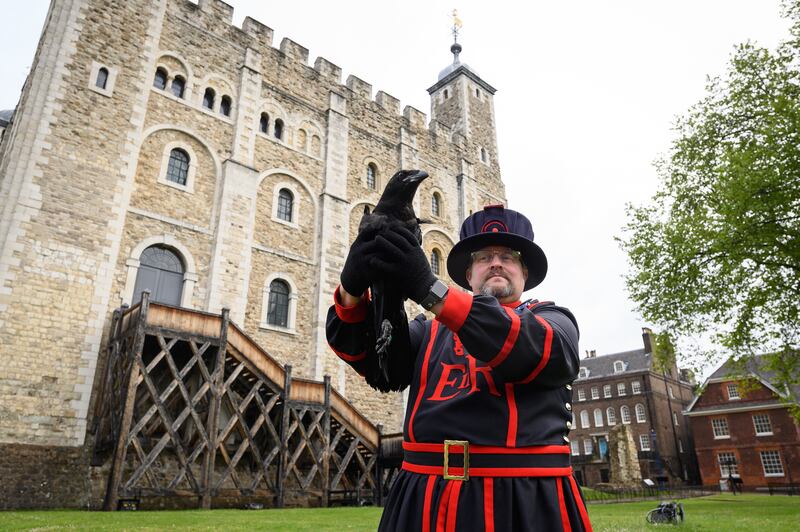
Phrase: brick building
(155,145)
(743,429)
(626,388)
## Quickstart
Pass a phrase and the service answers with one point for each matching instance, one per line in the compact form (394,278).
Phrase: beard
(497,291)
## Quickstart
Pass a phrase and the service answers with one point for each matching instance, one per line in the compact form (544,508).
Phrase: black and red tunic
(498,377)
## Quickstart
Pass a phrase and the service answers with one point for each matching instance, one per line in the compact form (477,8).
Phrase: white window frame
(585,421)
(644,442)
(641,414)
(583,373)
(598,417)
(720,423)
(619,366)
(731,387)
(575,448)
(675,418)
(768,422)
(775,461)
(581,394)
(191,174)
(108,91)
(291,318)
(611,416)
(680,445)
(671,392)
(625,414)
(595,392)
(588,447)
(607,391)
(726,470)
(621,391)
(636,387)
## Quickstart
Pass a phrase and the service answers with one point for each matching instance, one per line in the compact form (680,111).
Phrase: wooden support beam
(326,444)
(112,490)
(212,421)
(284,443)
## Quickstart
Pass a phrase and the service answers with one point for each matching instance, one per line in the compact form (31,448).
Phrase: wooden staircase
(193,412)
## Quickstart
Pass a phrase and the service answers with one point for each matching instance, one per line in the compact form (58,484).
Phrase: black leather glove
(356,275)
(398,255)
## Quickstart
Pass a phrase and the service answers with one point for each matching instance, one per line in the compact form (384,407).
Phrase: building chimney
(647,339)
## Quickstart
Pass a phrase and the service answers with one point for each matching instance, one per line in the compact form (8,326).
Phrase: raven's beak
(415,176)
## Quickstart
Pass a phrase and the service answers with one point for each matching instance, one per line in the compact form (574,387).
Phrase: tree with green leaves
(716,251)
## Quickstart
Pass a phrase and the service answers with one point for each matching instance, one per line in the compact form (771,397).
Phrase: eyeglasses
(486,256)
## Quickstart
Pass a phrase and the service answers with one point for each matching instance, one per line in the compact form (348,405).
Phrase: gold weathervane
(456,25)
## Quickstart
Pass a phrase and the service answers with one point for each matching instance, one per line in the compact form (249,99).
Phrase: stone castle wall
(84,193)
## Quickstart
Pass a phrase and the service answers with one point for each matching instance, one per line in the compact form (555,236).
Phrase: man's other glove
(399,256)
(356,275)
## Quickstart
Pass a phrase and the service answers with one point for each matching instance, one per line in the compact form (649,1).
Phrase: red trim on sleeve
(511,339)
(452,507)
(442,513)
(455,309)
(354,314)
(426,506)
(488,504)
(349,358)
(562,506)
(548,344)
(511,436)
(576,494)
(423,380)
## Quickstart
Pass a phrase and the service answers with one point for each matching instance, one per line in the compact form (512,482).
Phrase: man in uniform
(485,433)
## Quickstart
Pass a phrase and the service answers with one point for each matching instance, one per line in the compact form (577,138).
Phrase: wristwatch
(436,294)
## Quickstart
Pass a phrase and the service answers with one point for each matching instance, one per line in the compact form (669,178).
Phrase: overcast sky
(587,95)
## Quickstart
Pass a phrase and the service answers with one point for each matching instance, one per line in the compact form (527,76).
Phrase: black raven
(388,340)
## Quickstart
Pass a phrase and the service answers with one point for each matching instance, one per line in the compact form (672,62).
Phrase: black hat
(497,226)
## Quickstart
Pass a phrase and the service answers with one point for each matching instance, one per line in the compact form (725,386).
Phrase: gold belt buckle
(456,443)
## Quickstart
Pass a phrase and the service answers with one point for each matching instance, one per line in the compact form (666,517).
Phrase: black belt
(458,460)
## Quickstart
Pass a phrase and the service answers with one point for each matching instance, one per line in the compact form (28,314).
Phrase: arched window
(178,167)
(611,415)
(625,414)
(225,105)
(598,417)
(436,203)
(160,81)
(178,86)
(278,129)
(263,124)
(102,78)
(278,304)
(585,419)
(619,366)
(316,146)
(483,155)
(161,272)
(208,98)
(372,172)
(640,415)
(285,205)
(478,93)
(446,94)
(301,139)
(436,260)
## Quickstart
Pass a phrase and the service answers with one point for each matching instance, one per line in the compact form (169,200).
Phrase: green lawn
(760,513)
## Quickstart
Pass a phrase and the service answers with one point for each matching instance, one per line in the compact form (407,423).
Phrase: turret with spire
(463,101)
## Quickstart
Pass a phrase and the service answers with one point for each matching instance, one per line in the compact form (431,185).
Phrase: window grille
(621,389)
(625,414)
(598,417)
(636,387)
(581,394)
(595,392)
(285,205)
(607,390)
(727,464)
(644,442)
(762,424)
(771,461)
(585,419)
(178,166)
(720,427)
(278,310)
(611,415)
(733,392)
(640,414)
(371,182)
(435,262)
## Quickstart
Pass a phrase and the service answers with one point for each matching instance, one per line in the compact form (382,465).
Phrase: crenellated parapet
(216,16)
